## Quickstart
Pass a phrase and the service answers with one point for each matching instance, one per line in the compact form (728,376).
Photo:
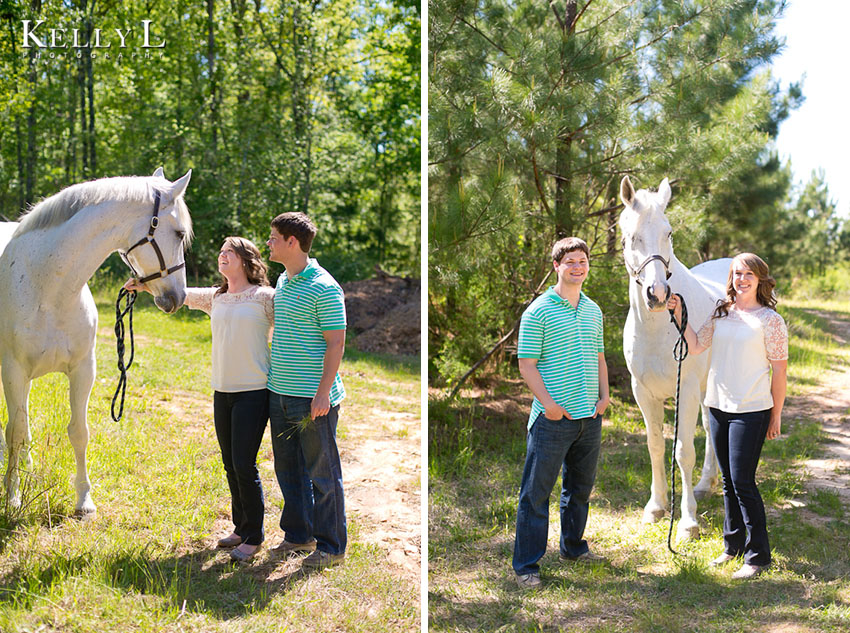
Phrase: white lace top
(743,344)
(240,325)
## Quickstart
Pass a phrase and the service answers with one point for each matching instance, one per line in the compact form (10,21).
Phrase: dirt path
(380,451)
(829,403)
(380,454)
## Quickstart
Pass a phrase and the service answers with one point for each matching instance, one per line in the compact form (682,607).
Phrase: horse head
(647,243)
(158,240)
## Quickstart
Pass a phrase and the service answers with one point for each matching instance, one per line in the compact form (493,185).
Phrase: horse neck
(73,251)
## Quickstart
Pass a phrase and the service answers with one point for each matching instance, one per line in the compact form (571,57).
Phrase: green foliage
(276,106)
(537,110)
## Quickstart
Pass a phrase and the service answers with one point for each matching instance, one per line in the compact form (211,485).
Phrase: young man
(562,359)
(304,395)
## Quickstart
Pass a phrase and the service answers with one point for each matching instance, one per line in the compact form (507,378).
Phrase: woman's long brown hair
(252,261)
(764,292)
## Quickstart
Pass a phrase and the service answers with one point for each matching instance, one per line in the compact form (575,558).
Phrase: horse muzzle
(170,302)
(657,296)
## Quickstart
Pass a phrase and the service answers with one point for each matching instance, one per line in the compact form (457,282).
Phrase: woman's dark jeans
(240,420)
(737,439)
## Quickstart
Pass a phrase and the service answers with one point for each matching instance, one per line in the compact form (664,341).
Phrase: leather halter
(636,273)
(148,239)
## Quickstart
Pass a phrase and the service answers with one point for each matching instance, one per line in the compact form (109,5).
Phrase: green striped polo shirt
(566,342)
(305,306)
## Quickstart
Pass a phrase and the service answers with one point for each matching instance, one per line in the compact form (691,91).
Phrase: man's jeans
(738,439)
(571,446)
(306,462)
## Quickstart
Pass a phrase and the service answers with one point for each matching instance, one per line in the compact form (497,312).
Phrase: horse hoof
(689,533)
(701,493)
(85,515)
(653,515)
(86,512)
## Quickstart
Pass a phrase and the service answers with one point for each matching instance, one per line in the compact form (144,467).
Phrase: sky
(817,135)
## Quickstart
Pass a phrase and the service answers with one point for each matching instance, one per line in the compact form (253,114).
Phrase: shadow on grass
(204,581)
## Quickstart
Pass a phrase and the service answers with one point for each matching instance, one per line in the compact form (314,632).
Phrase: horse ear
(664,190)
(178,187)
(159,173)
(627,192)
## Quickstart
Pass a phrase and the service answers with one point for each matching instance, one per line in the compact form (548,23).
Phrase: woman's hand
(774,427)
(133,284)
(675,304)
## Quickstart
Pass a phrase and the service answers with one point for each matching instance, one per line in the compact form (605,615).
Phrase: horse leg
(686,458)
(2,433)
(81,380)
(16,386)
(653,416)
(709,465)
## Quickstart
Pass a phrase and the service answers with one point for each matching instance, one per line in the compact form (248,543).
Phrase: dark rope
(130,296)
(680,353)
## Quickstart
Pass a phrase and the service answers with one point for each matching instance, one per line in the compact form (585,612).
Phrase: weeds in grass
(643,588)
(144,563)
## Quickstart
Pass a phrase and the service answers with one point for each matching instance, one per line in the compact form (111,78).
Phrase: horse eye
(181,235)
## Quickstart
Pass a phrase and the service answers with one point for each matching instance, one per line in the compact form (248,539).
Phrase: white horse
(48,319)
(648,340)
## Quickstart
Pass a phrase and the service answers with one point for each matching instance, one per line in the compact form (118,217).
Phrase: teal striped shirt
(566,342)
(305,306)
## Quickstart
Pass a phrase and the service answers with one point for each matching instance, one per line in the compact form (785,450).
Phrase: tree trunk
(84,135)
(300,105)
(611,201)
(19,140)
(89,68)
(29,189)
(214,96)
(564,221)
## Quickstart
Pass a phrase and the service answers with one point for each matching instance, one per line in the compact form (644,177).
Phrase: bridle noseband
(148,239)
(651,258)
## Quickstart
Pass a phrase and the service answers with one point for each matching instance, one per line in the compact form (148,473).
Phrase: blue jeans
(738,438)
(307,465)
(240,420)
(569,446)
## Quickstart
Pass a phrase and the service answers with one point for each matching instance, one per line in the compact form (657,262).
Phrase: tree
(538,109)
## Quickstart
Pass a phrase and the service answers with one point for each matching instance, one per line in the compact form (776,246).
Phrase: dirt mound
(384,314)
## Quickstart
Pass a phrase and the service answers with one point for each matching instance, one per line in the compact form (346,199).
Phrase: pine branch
(484,35)
(540,191)
(500,342)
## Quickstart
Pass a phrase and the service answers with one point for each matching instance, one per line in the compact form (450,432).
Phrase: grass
(145,562)
(476,454)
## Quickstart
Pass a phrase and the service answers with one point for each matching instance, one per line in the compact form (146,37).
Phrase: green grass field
(146,562)
(476,454)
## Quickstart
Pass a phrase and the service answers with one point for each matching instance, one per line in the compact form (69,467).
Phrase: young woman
(745,394)
(241,313)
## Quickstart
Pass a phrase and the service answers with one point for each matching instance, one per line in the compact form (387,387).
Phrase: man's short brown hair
(568,245)
(297,224)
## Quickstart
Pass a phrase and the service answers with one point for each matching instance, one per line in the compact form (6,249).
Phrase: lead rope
(130,296)
(680,353)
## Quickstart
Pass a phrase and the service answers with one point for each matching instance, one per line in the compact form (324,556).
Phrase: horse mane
(61,207)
